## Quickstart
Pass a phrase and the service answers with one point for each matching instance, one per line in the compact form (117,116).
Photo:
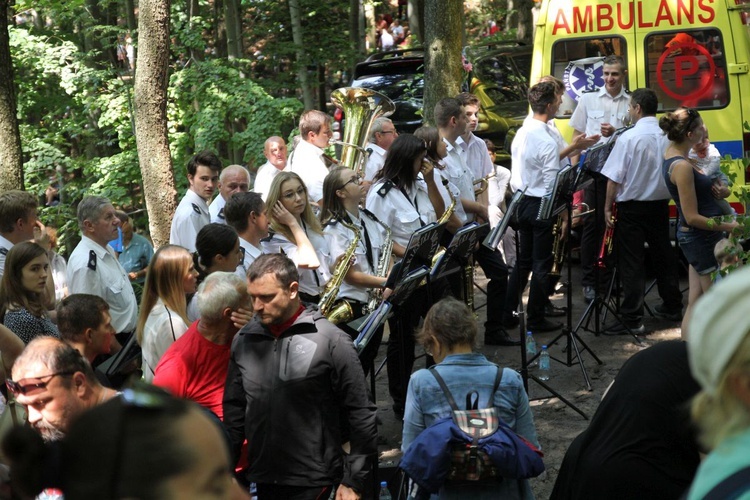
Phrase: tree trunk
(220,30)
(355,14)
(151,78)
(525,20)
(442,69)
(416,10)
(308,92)
(233,19)
(370,17)
(11,164)
(197,53)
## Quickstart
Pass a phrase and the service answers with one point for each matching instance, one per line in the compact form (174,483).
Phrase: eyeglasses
(354,180)
(21,387)
(692,116)
(394,131)
(293,194)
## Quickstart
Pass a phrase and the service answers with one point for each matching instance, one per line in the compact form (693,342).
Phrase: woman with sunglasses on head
(692,193)
(21,292)
(296,232)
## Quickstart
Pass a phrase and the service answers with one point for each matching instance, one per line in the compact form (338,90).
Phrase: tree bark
(220,30)
(233,19)
(525,20)
(442,69)
(416,10)
(308,93)
(151,79)
(11,163)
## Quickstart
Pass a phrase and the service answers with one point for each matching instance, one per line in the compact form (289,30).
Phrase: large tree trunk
(308,92)
(525,21)
(356,36)
(11,164)
(442,69)
(220,30)
(151,78)
(233,19)
(416,9)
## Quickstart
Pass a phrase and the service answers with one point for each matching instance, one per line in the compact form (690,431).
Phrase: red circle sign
(686,47)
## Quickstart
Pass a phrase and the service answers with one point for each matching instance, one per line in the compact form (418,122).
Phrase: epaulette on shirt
(221,213)
(3,251)
(92,260)
(331,222)
(242,252)
(387,186)
(196,208)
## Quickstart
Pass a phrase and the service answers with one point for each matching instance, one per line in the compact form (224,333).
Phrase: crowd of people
(235,314)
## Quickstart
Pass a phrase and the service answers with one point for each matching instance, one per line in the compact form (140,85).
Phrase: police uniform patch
(387,186)
(92,260)
(196,208)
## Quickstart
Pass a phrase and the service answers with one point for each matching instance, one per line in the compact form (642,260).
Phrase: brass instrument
(361,107)
(484,183)
(607,241)
(341,311)
(443,219)
(384,264)
(558,248)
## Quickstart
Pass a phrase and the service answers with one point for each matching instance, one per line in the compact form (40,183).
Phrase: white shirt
(535,159)
(5,246)
(497,186)
(556,135)
(635,163)
(307,162)
(109,281)
(595,108)
(339,238)
(386,40)
(477,156)
(398,210)
(191,215)
(311,281)
(375,161)
(249,254)
(441,174)
(458,172)
(216,210)
(163,326)
(264,178)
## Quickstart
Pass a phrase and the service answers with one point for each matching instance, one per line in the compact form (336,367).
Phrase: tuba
(361,107)
(341,311)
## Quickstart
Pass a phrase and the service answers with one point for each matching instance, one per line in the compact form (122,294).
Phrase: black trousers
(535,255)
(495,269)
(640,222)
(593,231)
(277,491)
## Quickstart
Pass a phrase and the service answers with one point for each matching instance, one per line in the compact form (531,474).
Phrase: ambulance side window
(578,63)
(687,68)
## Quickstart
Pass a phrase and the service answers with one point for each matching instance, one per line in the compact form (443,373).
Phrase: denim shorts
(698,247)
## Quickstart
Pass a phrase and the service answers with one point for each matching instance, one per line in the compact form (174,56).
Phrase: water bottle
(385,493)
(544,364)
(530,348)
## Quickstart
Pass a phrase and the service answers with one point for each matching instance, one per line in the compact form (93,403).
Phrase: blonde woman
(163,318)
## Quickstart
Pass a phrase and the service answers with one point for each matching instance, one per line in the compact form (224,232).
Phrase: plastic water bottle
(385,493)
(544,364)
(530,348)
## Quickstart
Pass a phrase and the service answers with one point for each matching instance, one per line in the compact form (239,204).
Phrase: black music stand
(493,239)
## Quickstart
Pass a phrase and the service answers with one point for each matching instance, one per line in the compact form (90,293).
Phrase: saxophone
(444,218)
(384,263)
(341,311)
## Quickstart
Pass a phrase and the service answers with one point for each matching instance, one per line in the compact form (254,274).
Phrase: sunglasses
(21,387)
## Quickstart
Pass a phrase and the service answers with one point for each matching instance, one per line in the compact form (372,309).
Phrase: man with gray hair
(382,135)
(233,179)
(275,152)
(94,268)
(195,365)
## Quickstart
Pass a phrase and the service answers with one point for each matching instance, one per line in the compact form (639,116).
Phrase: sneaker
(617,328)
(589,294)
(661,311)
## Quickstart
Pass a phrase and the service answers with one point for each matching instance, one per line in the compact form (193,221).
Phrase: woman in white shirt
(163,317)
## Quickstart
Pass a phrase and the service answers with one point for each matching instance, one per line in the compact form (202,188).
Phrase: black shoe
(661,311)
(589,294)
(543,326)
(552,311)
(499,337)
(510,323)
(617,328)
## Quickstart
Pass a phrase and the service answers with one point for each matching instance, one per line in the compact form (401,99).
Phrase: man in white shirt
(382,135)
(477,155)
(94,268)
(637,185)
(247,214)
(18,218)
(275,152)
(233,179)
(535,156)
(599,112)
(192,212)
(307,159)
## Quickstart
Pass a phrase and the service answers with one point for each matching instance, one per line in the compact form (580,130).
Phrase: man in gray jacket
(293,377)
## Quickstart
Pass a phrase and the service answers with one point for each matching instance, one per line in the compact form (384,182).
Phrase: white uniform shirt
(441,174)
(535,159)
(339,238)
(401,211)
(264,178)
(163,326)
(597,107)
(556,135)
(307,162)
(477,156)
(109,281)
(458,173)
(311,281)
(191,215)
(249,254)
(635,163)
(5,246)
(375,161)
(216,210)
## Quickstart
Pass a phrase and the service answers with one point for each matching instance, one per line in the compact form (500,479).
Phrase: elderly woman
(719,353)
(448,334)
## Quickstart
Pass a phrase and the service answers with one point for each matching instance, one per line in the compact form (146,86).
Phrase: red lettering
(620,22)
(709,11)
(685,8)
(561,22)
(583,23)
(641,22)
(664,14)
(683,70)
(604,21)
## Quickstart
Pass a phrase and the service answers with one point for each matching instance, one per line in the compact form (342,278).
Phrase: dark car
(499,78)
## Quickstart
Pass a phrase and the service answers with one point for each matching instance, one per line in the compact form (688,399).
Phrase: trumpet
(607,241)
(484,183)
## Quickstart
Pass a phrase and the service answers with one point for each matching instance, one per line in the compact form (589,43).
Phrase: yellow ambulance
(693,53)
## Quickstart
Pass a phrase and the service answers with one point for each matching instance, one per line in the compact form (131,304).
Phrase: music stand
(458,251)
(113,368)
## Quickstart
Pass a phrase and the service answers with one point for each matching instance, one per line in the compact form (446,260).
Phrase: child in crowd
(706,157)
(727,253)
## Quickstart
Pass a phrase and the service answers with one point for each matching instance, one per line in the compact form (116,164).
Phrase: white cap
(719,322)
